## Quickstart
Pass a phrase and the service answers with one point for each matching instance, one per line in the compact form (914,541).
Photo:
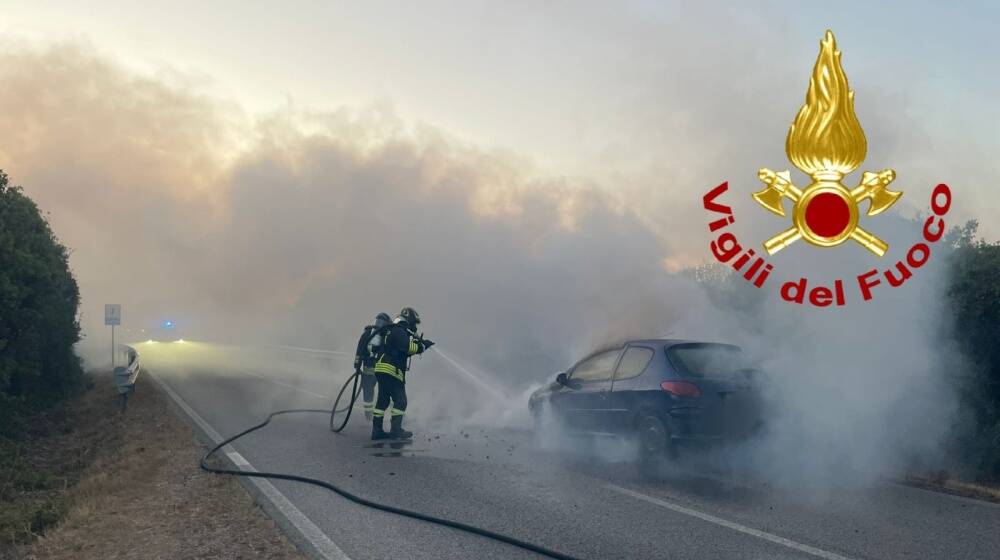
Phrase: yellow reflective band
(398,412)
(384,367)
(413,347)
(388,369)
(369,406)
(378,412)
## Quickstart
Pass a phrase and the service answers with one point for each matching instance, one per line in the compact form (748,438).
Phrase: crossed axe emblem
(826,141)
(826,212)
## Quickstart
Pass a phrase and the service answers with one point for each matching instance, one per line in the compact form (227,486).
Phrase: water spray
(478,380)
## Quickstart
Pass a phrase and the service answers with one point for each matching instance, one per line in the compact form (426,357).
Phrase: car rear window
(706,360)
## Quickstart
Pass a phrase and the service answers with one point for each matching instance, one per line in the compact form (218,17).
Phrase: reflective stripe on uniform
(385,367)
(369,406)
(398,412)
(413,346)
(378,412)
(388,369)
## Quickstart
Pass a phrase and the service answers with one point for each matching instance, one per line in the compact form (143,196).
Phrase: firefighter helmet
(411,317)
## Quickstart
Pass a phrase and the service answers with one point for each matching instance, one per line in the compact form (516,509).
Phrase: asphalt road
(506,480)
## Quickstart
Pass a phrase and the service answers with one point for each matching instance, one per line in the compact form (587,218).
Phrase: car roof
(650,341)
(670,341)
(673,341)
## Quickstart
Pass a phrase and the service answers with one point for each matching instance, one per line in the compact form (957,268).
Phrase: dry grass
(942,482)
(37,471)
(139,492)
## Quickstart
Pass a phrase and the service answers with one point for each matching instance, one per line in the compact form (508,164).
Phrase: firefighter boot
(377,431)
(397,430)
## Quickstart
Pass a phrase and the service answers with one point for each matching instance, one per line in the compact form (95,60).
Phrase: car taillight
(681,388)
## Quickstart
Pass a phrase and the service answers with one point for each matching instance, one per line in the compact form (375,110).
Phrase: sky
(554,81)
(528,175)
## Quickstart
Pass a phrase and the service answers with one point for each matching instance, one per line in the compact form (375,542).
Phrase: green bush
(38,306)
(974,294)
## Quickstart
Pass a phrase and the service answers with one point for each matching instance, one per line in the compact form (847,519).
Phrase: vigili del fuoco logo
(826,142)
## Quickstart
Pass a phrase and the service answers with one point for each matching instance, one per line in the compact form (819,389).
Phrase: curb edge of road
(302,541)
(980,497)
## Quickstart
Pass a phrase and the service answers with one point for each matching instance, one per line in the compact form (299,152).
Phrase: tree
(974,294)
(38,307)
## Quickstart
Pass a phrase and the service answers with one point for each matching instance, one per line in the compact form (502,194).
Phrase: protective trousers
(368,389)
(390,389)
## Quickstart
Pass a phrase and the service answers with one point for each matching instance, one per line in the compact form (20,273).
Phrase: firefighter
(400,342)
(369,346)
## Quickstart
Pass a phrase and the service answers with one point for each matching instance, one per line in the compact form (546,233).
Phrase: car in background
(664,393)
(165,332)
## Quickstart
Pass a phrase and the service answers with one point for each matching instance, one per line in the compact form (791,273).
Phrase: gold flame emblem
(826,142)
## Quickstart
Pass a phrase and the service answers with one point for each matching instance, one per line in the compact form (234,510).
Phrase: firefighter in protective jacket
(399,343)
(369,346)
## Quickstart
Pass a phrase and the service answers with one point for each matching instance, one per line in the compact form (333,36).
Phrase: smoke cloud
(297,227)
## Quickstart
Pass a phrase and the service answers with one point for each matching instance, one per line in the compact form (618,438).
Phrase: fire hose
(347,410)
(500,537)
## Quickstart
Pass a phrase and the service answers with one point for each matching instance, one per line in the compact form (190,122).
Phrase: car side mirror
(561,379)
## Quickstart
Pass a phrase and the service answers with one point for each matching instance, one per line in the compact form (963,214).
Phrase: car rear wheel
(654,441)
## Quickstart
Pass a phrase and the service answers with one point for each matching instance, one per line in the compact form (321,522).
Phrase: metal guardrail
(125,376)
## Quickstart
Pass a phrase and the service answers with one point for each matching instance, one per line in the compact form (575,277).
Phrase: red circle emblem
(828,215)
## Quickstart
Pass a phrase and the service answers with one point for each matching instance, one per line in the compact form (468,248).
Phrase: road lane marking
(301,390)
(320,542)
(313,350)
(819,553)
(240,461)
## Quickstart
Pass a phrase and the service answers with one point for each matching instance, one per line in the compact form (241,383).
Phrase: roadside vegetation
(41,464)
(129,486)
(974,294)
(38,368)
(38,313)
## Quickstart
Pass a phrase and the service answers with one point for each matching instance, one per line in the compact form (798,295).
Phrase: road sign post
(113,317)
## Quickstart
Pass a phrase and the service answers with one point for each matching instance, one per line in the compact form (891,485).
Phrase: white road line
(309,531)
(314,350)
(299,389)
(729,524)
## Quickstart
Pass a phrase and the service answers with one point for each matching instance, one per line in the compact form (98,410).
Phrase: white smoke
(298,227)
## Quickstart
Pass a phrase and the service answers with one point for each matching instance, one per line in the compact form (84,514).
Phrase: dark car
(663,392)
